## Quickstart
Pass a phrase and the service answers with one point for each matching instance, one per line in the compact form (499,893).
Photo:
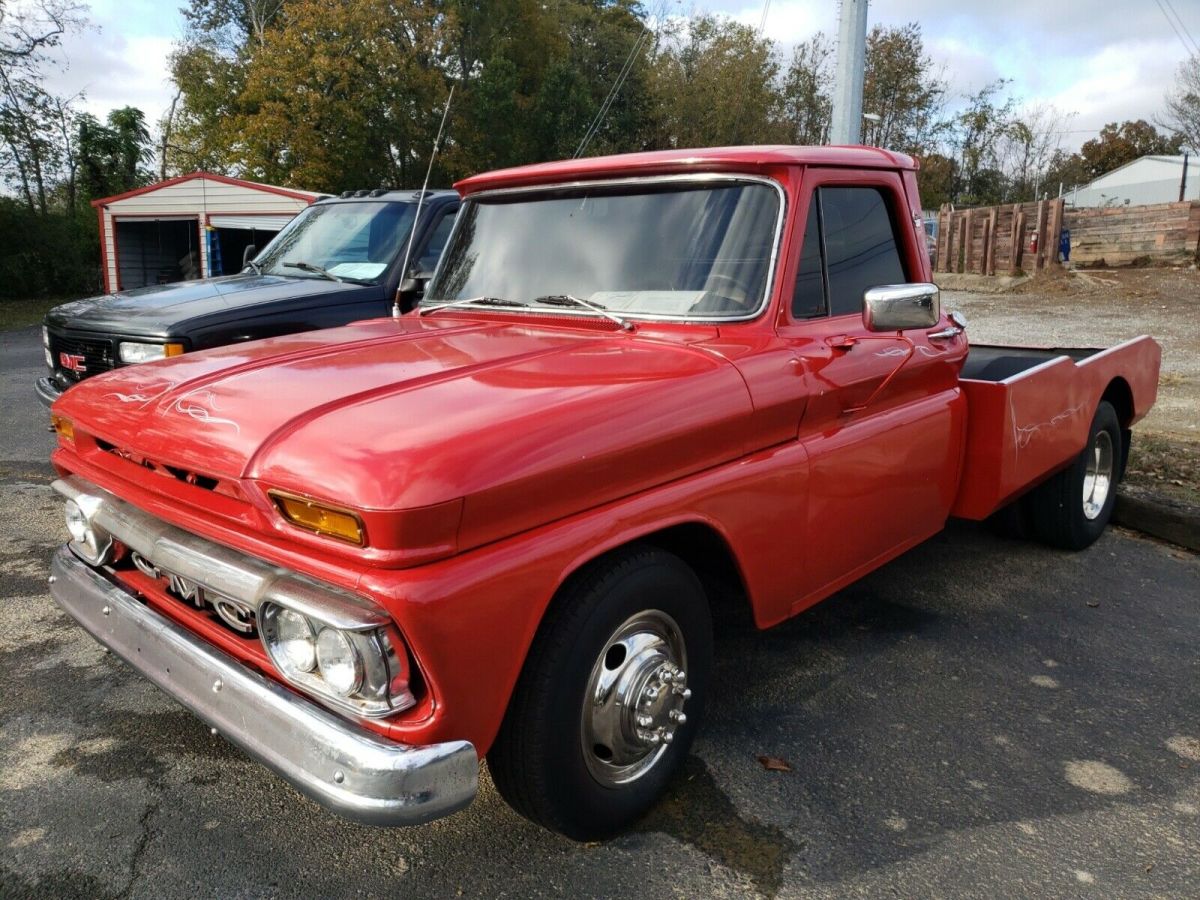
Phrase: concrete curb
(1158,516)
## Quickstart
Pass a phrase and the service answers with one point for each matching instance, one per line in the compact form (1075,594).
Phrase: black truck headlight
(365,671)
(89,541)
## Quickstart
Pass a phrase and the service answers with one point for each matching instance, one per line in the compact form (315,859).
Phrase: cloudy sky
(1104,61)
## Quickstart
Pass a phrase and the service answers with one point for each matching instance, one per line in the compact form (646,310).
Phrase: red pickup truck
(371,555)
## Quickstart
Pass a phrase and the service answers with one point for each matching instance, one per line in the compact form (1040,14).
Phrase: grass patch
(1166,466)
(21,313)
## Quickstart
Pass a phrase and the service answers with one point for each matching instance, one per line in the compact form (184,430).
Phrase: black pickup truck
(340,260)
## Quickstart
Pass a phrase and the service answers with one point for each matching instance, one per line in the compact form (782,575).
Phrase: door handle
(958,324)
(841,342)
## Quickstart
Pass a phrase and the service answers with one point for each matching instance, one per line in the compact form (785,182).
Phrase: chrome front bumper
(47,391)
(353,772)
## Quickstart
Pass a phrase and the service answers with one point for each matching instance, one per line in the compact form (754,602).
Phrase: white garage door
(262,223)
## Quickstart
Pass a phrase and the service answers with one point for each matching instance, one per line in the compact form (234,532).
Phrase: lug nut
(645,721)
(652,693)
(685,693)
(678,718)
(668,736)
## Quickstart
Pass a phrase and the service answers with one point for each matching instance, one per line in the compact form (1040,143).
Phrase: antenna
(412,232)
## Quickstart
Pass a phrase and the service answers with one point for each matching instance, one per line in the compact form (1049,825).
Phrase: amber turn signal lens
(313,516)
(172,349)
(63,428)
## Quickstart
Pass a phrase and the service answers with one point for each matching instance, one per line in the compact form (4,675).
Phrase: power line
(1179,34)
(762,23)
(594,128)
(1182,24)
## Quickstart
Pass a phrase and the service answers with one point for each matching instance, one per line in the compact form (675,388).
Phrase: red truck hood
(525,421)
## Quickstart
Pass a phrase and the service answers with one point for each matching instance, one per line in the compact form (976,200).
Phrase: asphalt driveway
(980,718)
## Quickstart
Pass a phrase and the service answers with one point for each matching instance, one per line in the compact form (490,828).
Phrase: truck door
(883,420)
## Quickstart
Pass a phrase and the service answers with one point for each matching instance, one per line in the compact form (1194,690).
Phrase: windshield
(667,249)
(351,241)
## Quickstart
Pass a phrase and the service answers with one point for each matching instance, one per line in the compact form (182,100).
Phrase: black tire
(538,759)
(1055,509)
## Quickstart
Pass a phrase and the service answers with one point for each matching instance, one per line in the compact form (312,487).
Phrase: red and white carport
(193,226)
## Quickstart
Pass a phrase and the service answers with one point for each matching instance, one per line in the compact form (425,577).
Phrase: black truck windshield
(349,241)
(663,249)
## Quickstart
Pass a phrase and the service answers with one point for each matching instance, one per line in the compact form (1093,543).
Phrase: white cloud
(1104,61)
(113,70)
(1107,62)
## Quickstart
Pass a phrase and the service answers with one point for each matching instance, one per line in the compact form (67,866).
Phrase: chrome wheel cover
(634,699)
(1097,475)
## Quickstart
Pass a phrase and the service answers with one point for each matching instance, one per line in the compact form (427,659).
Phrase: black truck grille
(75,359)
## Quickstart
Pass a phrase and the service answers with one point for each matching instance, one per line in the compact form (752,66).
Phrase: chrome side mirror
(895,307)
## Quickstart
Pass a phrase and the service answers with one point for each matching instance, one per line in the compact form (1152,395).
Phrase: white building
(193,226)
(1150,179)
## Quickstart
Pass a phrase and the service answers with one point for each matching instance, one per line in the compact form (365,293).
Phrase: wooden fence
(1121,235)
(996,240)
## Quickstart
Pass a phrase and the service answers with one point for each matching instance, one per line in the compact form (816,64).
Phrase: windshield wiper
(434,305)
(571,300)
(309,267)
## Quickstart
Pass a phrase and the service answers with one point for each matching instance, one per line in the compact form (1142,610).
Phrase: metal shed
(193,226)
(1148,179)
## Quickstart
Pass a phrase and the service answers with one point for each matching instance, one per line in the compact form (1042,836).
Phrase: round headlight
(295,640)
(338,661)
(77,523)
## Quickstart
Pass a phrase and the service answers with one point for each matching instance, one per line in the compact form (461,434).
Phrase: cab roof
(750,160)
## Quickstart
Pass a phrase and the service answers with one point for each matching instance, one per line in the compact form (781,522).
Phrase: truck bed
(1029,410)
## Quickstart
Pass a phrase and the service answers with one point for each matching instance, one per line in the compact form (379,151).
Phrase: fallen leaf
(774,764)
(1093,603)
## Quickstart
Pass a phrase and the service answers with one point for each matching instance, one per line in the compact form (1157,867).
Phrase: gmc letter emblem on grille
(75,362)
(234,613)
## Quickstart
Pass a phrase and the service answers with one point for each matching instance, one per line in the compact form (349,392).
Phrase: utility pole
(846,127)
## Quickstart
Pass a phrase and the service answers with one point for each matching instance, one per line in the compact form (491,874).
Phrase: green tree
(111,158)
(342,96)
(975,135)
(936,179)
(1117,145)
(902,87)
(807,88)
(715,84)
(1067,169)
(1026,149)
(1183,104)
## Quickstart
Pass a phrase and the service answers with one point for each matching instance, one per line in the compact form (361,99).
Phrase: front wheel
(610,697)
(1072,509)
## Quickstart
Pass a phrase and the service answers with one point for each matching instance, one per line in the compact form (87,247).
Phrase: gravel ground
(1098,308)
(980,718)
